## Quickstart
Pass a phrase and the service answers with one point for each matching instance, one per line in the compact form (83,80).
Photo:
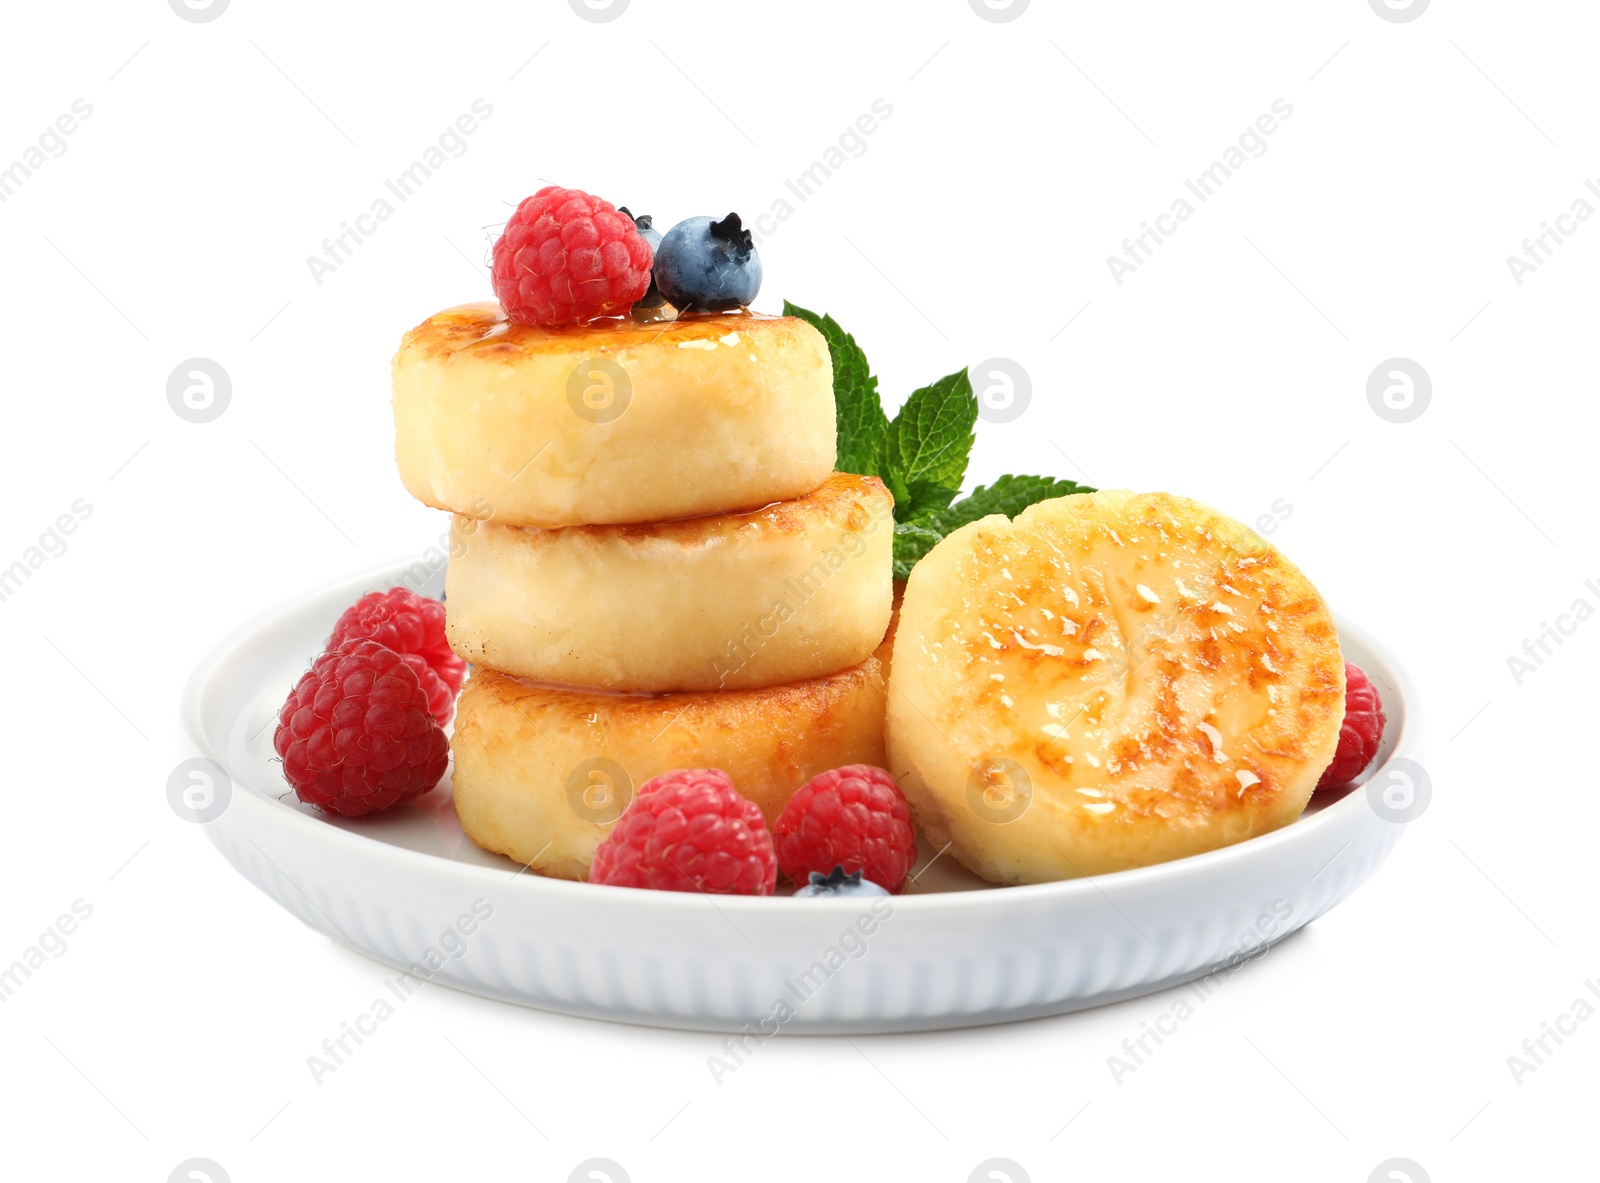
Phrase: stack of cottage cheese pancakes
(653,564)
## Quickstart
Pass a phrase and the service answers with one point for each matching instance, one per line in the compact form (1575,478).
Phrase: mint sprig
(925,451)
(921,455)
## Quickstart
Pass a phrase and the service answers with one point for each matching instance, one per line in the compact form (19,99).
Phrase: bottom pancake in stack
(542,773)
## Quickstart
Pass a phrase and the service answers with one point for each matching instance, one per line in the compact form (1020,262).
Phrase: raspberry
(441,699)
(401,620)
(567,256)
(356,735)
(1361,731)
(689,831)
(854,817)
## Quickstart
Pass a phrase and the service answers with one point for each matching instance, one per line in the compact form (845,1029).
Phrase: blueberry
(646,225)
(837,883)
(708,265)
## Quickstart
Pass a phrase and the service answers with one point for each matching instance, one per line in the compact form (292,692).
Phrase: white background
(1231,367)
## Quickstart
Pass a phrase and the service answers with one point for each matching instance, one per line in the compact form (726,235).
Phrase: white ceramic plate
(410,890)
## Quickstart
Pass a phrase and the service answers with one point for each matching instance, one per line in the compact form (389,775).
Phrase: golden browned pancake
(1111,680)
(541,774)
(727,601)
(613,421)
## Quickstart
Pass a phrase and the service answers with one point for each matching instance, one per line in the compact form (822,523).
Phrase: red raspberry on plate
(441,699)
(689,831)
(357,735)
(854,817)
(1361,731)
(410,624)
(567,256)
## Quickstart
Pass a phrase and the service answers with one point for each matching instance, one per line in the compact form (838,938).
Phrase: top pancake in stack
(613,421)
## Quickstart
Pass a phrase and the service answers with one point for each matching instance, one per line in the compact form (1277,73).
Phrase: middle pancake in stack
(726,602)
(605,654)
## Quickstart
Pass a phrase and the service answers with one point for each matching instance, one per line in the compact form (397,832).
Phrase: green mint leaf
(926,448)
(927,496)
(912,540)
(861,421)
(1009,495)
